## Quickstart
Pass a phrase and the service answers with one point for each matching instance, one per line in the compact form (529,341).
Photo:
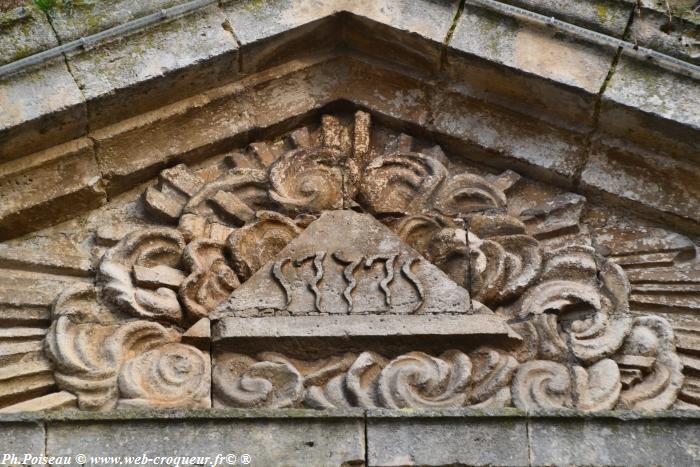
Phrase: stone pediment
(315,269)
(347,230)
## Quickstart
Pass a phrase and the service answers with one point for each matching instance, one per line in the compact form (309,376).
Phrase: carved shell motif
(581,347)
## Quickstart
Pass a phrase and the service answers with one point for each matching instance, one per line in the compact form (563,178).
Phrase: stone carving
(89,354)
(139,277)
(542,384)
(172,375)
(211,279)
(575,309)
(257,243)
(346,262)
(651,366)
(330,224)
(412,380)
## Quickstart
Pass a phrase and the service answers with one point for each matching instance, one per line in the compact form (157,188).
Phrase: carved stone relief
(388,242)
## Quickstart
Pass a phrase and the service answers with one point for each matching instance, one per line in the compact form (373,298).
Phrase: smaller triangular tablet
(347,263)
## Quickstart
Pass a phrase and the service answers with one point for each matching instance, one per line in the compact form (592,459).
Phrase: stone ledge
(351,413)
(372,438)
(519,64)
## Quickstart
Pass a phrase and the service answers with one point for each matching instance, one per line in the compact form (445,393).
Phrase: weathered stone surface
(67,261)
(271,240)
(24,30)
(53,401)
(39,107)
(48,187)
(79,19)
(415,30)
(22,438)
(122,78)
(670,27)
(643,180)
(135,150)
(614,442)
(525,66)
(414,380)
(367,326)
(504,140)
(342,248)
(291,441)
(606,16)
(383,90)
(445,441)
(653,106)
(431,20)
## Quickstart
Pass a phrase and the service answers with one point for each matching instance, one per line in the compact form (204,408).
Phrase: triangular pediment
(341,249)
(347,263)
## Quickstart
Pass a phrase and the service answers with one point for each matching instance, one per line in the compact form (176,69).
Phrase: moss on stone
(602,12)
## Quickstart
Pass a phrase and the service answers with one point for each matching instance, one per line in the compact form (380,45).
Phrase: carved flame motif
(125,344)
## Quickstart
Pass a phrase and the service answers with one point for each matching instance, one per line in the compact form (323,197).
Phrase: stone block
(399,98)
(416,439)
(364,326)
(74,20)
(48,187)
(125,77)
(655,185)
(614,442)
(677,34)
(606,16)
(256,22)
(21,438)
(286,440)
(502,139)
(527,66)
(24,31)
(406,32)
(653,106)
(137,149)
(269,29)
(39,107)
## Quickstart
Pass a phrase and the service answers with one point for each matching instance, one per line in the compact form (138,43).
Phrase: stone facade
(485,213)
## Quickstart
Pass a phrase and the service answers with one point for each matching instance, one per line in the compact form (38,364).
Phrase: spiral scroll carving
(173,375)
